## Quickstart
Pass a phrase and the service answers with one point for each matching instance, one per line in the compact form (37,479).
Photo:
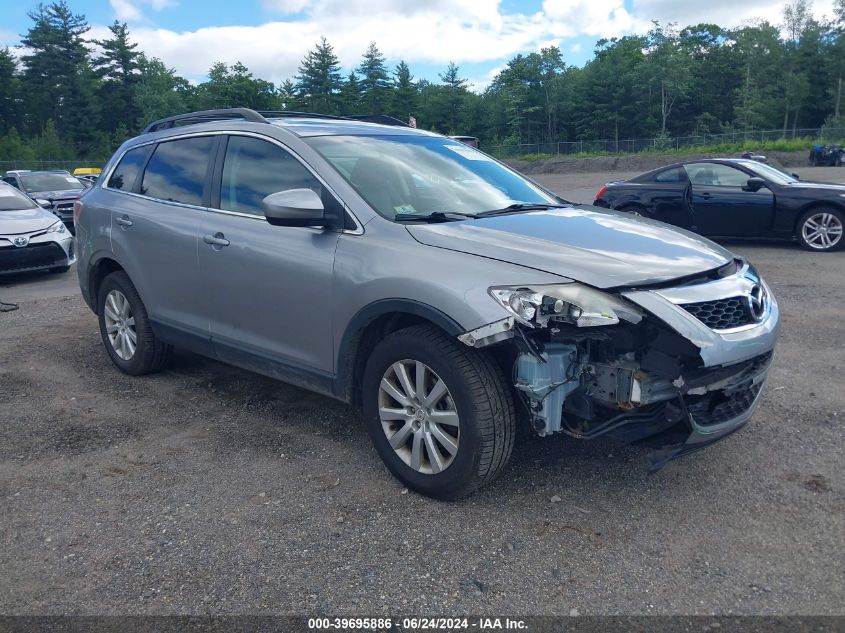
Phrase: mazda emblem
(21,241)
(757,302)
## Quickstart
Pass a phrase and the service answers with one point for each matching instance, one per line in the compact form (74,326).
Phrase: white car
(31,238)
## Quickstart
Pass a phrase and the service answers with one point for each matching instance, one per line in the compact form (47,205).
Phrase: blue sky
(271,36)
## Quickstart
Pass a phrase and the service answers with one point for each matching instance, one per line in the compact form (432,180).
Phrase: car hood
(56,195)
(25,221)
(598,247)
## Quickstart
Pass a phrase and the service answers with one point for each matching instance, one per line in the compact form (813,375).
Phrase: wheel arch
(812,206)
(369,326)
(98,271)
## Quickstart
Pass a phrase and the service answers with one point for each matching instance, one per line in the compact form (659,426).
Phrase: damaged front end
(678,368)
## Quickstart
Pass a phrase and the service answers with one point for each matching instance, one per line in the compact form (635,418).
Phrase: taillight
(601,192)
(77,211)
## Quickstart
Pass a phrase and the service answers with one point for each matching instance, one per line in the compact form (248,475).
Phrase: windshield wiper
(520,207)
(434,216)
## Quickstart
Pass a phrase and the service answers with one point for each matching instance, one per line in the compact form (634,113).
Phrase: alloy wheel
(120,324)
(822,231)
(418,416)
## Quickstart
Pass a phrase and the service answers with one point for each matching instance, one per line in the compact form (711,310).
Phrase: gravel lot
(208,490)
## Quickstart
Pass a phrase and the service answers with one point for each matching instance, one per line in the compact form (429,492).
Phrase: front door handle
(123,221)
(706,195)
(218,239)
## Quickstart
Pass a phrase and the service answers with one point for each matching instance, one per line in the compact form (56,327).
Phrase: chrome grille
(721,314)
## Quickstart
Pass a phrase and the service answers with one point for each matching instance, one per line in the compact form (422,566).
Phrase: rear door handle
(706,195)
(123,221)
(218,239)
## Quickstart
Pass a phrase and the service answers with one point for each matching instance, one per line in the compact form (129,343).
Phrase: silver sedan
(31,238)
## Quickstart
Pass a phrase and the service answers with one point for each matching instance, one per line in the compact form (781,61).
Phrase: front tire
(820,230)
(440,414)
(126,330)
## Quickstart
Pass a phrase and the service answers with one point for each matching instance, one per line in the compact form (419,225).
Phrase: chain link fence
(630,146)
(46,165)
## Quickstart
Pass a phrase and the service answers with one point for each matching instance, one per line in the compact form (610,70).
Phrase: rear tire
(126,330)
(476,399)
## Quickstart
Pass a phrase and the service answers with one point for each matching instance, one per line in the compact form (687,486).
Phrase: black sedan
(734,197)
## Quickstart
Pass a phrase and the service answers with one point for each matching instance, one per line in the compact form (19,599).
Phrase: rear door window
(176,172)
(124,175)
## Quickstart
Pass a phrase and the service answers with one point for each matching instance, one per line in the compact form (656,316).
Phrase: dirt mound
(633,162)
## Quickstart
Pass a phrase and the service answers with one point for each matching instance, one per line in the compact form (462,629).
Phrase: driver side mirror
(754,184)
(295,207)
(45,204)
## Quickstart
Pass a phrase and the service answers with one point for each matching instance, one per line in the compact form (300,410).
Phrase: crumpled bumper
(711,417)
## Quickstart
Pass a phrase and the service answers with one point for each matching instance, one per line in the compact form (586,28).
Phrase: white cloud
(602,18)
(285,6)
(726,13)
(130,10)
(125,11)
(433,32)
(430,32)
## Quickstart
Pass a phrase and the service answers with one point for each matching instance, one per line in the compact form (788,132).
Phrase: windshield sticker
(468,152)
(404,208)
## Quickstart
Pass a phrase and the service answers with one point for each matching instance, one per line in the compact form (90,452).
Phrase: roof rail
(378,118)
(278,114)
(203,116)
(260,116)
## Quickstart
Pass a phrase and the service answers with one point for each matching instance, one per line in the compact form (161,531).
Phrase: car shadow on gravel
(267,417)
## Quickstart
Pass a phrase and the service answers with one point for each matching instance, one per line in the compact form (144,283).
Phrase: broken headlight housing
(571,303)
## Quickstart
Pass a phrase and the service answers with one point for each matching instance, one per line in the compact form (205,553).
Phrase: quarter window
(253,169)
(671,175)
(176,171)
(124,175)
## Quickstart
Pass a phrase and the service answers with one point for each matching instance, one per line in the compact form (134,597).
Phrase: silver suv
(404,272)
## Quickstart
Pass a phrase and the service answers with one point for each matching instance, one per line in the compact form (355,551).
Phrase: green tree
(667,70)
(232,87)
(351,96)
(405,92)
(160,91)
(454,96)
(59,82)
(118,69)
(318,82)
(375,83)
(10,91)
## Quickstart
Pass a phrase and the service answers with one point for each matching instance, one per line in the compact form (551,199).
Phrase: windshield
(419,175)
(49,182)
(774,174)
(13,200)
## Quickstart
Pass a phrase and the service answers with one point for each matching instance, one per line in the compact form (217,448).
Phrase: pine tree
(375,82)
(10,86)
(350,95)
(405,92)
(59,81)
(288,96)
(456,92)
(318,82)
(118,68)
